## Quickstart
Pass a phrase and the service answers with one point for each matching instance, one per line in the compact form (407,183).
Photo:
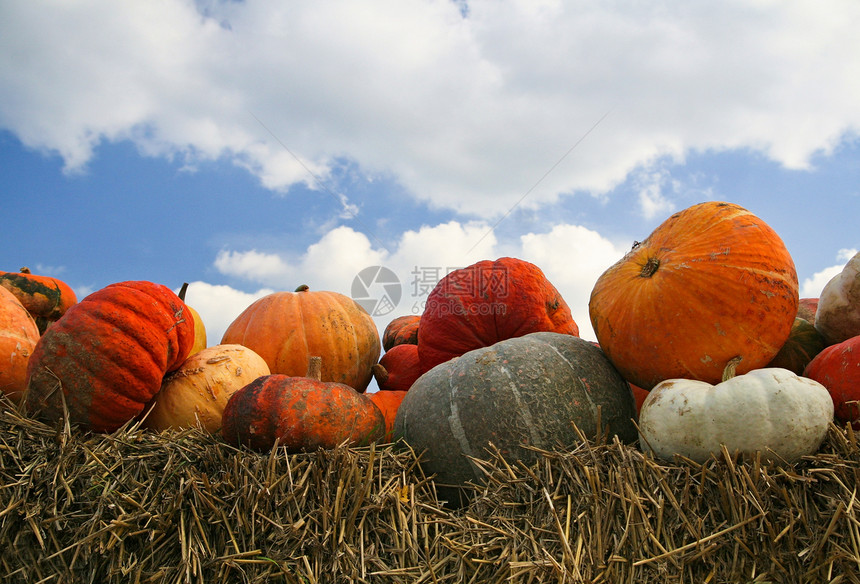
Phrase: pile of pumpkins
(702,343)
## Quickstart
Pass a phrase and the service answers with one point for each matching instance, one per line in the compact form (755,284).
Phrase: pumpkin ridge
(146,340)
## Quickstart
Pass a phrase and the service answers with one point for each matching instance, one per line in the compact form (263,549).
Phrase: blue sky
(248,147)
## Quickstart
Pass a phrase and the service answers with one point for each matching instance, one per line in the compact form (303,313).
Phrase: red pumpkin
(301,414)
(105,358)
(838,369)
(807,308)
(401,330)
(18,338)
(398,368)
(488,302)
(44,297)
(388,403)
(711,283)
(287,328)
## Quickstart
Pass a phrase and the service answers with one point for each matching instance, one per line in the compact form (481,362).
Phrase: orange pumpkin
(388,403)
(287,328)
(197,392)
(711,283)
(300,414)
(44,297)
(105,358)
(18,338)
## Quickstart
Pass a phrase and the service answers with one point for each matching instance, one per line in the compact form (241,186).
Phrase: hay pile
(136,506)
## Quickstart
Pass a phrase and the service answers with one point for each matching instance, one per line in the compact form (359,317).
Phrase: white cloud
(652,199)
(812,287)
(468,113)
(253,265)
(219,305)
(572,257)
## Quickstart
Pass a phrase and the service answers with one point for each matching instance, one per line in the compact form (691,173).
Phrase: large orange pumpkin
(105,358)
(488,302)
(18,338)
(711,283)
(287,328)
(44,297)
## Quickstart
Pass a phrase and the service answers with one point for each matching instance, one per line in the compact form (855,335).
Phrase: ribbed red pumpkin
(398,368)
(18,338)
(838,369)
(488,302)
(44,297)
(401,330)
(106,356)
(301,414)
(287,328)
(711,283)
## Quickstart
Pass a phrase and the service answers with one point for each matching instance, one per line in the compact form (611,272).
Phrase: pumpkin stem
(380,373)
(25,270)
(729,370)
(182,291)
(314,368)
(650,267)
(303,288)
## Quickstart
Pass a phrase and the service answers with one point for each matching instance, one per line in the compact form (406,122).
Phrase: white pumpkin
(198,391)
(770,410)
(838,315)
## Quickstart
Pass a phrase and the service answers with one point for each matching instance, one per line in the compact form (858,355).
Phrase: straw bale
(184,507)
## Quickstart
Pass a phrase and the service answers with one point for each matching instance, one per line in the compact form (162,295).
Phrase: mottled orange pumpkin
(287,328)
(44,297)
(488,302)
(105,358)
(711,283)
(18,338)
(300,414)
(402,330)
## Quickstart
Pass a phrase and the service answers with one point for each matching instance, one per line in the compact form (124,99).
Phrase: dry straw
(183,507)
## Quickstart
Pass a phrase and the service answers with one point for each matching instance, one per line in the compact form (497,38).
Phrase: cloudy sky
(252,146)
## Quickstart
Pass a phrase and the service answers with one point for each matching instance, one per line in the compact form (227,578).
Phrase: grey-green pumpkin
(539,390)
